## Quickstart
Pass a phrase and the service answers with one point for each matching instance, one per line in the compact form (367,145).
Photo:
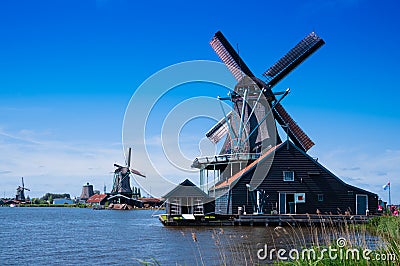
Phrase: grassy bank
(351,245)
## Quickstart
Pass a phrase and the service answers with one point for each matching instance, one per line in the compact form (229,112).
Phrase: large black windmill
(250,127)
(249,88)
(121,184)
(20,196)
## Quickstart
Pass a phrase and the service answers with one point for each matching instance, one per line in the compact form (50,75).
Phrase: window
(320,197)
(288,176)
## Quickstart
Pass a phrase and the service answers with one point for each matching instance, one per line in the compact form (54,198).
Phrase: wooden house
(296,183)
(63,201)
(187,200)
(97,200)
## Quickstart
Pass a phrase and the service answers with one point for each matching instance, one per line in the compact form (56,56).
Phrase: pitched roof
(186,189)
(233,179)
(96,198)
(149,199)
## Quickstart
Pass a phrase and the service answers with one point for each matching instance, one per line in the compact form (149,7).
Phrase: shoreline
(82,206)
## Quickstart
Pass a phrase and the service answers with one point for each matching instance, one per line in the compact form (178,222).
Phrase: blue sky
(69,68)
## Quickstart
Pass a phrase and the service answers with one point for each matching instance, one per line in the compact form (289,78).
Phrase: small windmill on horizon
(20,196)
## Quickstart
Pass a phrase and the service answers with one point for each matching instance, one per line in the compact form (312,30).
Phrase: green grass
(356,251)
(386,227)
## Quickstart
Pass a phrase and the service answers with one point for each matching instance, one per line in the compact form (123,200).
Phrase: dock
(261,219)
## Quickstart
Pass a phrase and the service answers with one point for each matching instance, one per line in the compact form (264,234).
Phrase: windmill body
(248,111)
(122,192)
(121,182)
(20,195)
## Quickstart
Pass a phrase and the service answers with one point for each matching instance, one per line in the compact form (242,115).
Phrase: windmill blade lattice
(293,58)
(217,132)
(296,134)
(229,56)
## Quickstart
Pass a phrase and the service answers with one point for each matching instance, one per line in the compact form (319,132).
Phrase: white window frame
(320,199)
(284,176)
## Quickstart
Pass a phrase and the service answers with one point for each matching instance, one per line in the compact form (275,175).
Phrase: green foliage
(387,227)
(48,196)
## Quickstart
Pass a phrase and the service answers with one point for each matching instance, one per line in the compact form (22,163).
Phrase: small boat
(12,205)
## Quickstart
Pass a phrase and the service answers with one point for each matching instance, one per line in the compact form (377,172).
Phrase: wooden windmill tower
(250,127)
(20,196)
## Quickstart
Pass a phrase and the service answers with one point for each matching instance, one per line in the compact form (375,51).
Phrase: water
(72,236)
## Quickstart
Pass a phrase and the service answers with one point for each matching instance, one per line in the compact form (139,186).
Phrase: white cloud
(51,165)
(366,169)
(63,167)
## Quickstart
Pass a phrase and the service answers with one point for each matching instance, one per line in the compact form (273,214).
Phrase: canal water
(72,236)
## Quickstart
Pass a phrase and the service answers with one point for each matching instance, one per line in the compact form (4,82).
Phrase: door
(361,204)
(282,203)
(286,203)
(290,205)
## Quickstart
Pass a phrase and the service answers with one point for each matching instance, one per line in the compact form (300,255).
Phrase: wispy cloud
(351,169)
(19,137)
(368,170)
(57,166)
(48,164)
(2,172)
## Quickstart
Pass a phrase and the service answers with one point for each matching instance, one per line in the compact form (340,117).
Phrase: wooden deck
(263,220)
(299,219)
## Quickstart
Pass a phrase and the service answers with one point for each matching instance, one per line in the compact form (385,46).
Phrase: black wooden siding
(338,196)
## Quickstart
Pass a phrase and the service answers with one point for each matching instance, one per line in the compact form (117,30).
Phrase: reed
(378,239)
(381,236)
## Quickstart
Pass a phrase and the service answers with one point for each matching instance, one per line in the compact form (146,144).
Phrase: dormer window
(288,176)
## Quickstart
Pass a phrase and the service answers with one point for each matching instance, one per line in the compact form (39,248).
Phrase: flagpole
(390,200)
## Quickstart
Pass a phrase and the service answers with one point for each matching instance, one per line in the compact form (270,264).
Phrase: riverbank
(82,206)
(49,205)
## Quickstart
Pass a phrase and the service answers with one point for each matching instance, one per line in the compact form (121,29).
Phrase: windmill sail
(229,56)
(296,134)
(136,172)
(293,58)
(217,132)
(248,109)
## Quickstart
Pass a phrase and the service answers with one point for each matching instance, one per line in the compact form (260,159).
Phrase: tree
(55,196)
(35,201)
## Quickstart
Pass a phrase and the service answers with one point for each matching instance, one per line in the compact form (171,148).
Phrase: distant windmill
(121,183)
(245,125)
(21,192)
